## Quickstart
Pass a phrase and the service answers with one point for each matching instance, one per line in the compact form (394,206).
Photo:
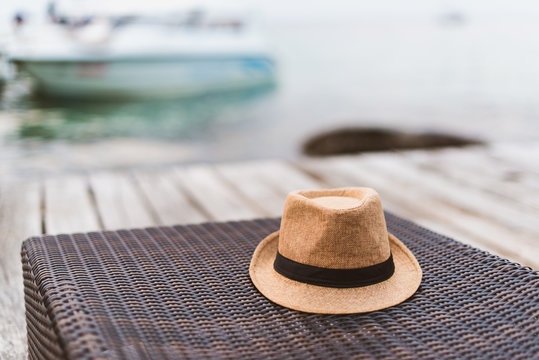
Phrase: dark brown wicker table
(184,292)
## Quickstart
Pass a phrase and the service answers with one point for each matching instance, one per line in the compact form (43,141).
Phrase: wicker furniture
(185,292)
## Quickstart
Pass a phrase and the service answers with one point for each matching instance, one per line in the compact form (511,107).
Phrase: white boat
(4,70)
(132,56)
(5,73)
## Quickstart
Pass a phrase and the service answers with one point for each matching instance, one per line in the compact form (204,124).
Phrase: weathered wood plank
(68,207)
(119,202)
(333,176)
(168,202)
(20,218)
(285,177)
(335,173)
(247,179)
(267,182)
(424,208)
(476,169)
(467,210)
(469,199)
(215,196)
(524,155)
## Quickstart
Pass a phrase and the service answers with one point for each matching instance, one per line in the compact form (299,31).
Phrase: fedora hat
(334,255)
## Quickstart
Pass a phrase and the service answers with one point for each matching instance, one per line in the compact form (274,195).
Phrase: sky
(305,10)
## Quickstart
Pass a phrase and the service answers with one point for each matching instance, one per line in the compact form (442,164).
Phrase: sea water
(467,68)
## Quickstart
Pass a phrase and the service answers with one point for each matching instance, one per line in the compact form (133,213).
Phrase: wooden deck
(485,196)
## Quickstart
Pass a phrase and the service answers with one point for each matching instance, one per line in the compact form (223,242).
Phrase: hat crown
(335,229)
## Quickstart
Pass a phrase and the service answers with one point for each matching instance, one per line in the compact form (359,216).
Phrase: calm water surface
(456,71)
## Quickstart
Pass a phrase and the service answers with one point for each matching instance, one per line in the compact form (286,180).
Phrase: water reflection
(171,119)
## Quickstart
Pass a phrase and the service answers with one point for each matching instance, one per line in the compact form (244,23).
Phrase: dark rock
(357,140)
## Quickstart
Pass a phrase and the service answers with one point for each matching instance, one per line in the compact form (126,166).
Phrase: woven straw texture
(185,292)
(329,238)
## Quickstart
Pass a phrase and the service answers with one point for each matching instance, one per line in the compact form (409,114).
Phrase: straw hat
(334,255)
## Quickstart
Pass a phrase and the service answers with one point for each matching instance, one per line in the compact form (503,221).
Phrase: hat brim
(326,300)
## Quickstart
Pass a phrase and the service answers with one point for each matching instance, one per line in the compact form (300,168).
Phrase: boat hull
(131,78)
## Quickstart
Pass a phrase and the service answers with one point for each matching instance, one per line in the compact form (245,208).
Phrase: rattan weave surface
(184,292)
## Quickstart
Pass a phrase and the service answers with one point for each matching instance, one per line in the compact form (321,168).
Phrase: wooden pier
(484,196)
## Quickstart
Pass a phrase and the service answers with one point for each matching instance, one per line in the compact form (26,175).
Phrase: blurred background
(89,84)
